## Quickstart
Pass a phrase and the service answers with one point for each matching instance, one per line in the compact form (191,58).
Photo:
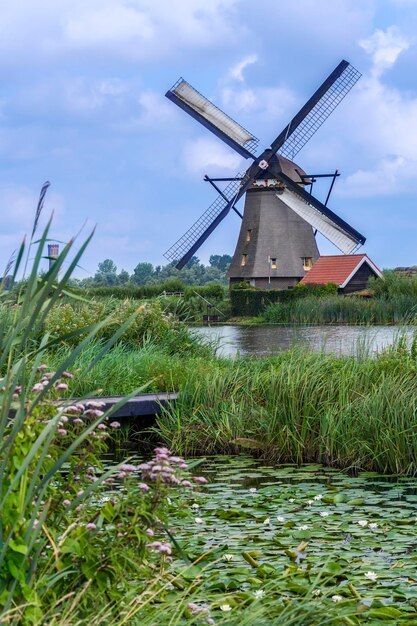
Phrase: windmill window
(307,263)
(243,261)
(249,234)
(273,264)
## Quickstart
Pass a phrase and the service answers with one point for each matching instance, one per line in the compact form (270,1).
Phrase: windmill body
(276,244)
(276,247)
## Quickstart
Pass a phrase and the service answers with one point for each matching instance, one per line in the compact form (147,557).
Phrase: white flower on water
(259,593)
(280,518)
(371,576)
(267,521)
(373,525)
(363,523)
(324,514)
(319,496)
(303,527)
(310,502)
(198,520)
(195,506)
(337,598)
(225,607)
(227,557)
(316,592)
(251,490)
(291,500)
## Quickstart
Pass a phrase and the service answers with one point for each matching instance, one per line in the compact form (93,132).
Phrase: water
(271,339)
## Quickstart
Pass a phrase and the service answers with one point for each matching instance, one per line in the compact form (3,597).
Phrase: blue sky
(82,105)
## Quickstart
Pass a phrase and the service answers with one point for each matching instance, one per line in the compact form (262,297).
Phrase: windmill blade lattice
(316,111)
(181,247)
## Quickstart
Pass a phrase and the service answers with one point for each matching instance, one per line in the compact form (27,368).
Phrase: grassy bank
(342,310)
(295,407)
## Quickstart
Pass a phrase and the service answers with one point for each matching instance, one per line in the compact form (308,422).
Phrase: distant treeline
(194,273)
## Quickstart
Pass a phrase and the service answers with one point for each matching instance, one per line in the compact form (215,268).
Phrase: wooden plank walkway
(147,404)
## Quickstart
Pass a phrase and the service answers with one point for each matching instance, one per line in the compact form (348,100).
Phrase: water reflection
(267,340)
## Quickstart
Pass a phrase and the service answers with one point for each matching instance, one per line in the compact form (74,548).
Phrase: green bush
(250,302)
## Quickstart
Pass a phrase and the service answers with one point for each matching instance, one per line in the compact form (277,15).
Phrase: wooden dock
(145,405)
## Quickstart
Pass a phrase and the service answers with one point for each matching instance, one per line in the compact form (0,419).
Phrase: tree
(142,273)
(107,267)
(123,277)
(106,273)
(221,262)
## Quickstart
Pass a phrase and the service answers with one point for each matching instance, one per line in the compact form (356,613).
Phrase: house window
(243,261)
(249,234)
(273,264)
(307,263)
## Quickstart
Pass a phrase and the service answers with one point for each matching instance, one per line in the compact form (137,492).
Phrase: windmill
(276,244)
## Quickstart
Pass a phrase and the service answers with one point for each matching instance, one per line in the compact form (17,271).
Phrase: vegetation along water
(212,540)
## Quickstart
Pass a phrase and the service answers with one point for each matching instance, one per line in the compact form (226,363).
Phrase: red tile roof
(334,268)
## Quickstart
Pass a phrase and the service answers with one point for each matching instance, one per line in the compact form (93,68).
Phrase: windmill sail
(338,232)
(316,110)
(188,244)
(213,118)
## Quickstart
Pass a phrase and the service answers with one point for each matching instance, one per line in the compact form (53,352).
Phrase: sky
(82,105)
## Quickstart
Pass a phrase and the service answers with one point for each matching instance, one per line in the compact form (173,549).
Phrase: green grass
(296,407)
(401,309)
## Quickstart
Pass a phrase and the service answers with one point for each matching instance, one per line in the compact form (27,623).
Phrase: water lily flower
(316,592)
(318,496)
(195,506)
(373,525)
(252,490)
(227,557)
(199,520)
(267,521)
(337,598)
(310,502)
(371,576)
(363,523)
(280,518)
(291,500)
(324,514)
(259,593)
(302,527)
(225,607)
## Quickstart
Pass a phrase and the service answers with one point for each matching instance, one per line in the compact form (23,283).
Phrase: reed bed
(302,407)
(401,309)
(351,412)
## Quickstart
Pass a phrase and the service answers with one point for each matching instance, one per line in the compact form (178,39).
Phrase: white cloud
(127,29)
(236,72)
(387,147)
(384,47)
(206,153)
(267,102)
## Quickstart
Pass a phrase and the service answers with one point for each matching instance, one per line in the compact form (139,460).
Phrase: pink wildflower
(90,526)
(144,487)
(200,479)
(150,532)
(66,502)
(62,387)
(115,425)
(66,375)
